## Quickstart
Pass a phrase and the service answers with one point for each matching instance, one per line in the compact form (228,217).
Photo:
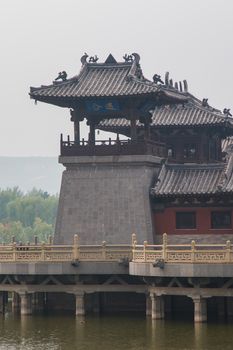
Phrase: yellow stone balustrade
(144,253)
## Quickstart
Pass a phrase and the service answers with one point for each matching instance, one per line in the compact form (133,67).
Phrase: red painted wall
(166,221)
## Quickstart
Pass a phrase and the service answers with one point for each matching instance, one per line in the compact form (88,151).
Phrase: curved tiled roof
(194,179)
(104,79)
(191,114)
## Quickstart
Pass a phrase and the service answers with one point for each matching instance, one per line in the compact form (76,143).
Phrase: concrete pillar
(38,301)
(221,308)
(229,308)
(26,304)
(2,303)
(80,305)
(200,309)
(168,306)
(148,305)
(157,307)
(15,302)
(96,303)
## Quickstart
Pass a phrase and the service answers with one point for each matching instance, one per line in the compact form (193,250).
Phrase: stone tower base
(106,199)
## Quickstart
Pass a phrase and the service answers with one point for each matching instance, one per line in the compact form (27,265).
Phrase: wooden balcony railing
(111,147)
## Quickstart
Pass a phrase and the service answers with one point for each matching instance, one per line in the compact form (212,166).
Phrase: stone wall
(106,199)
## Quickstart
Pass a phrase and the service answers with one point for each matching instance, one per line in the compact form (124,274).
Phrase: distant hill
(28,172)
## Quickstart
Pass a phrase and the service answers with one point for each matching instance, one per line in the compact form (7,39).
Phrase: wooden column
(80,304)
(157,307)
(77,131)
(200,309)
(75,118)
(147,122)
(133,129)
(26,304)
(92,132)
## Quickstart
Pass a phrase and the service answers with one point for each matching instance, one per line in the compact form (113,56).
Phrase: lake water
(40,332)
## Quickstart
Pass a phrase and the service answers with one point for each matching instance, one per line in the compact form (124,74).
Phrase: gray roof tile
(102,80)
(182,115)
(194,179)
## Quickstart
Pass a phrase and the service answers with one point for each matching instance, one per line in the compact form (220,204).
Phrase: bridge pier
(80,304)
(15,302)
(148,305)
(221,312)
(2,302)
(200,309)
(229,308)
(26,303)
(96,303)
(38,301)
(157,307)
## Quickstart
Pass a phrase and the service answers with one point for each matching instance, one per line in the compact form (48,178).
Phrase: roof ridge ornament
(136,57)
(178,86)
(110,59)
(84,58)
(157,79)
(128,58)
(93,59)
(61,75)
(227,112)
(205,102)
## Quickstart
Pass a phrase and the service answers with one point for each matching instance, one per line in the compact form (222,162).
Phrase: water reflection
(56,332)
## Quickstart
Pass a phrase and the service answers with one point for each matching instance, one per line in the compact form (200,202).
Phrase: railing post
(228,251)
(164,253)
(14,251)
(43,251)
(133,243)
(133,251)
(50,240)
(193,243)
(134,238)
(144,250)
(104,250)
(76,248)
(35,240)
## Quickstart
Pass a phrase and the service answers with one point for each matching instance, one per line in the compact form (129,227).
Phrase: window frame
(191,227)
(220,227)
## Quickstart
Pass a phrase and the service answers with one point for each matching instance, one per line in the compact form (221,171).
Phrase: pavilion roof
(177,180)
(107,79)
(190,114)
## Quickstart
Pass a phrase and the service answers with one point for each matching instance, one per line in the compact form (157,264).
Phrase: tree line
(25,215)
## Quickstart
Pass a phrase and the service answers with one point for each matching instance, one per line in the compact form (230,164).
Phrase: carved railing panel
(183,253)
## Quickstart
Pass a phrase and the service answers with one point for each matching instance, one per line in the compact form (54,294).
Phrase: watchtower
(105,188)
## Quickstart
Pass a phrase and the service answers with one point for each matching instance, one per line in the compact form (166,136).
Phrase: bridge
(198,271)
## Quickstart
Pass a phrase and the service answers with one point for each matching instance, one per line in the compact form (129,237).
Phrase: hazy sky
(192,39)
